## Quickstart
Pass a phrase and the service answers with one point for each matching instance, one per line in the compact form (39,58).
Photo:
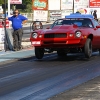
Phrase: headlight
(35,35)
(78,34)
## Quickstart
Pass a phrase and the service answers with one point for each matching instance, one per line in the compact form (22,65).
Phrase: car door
(97,33)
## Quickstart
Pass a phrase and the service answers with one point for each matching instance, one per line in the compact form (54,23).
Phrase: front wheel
(88,48)
(39,53)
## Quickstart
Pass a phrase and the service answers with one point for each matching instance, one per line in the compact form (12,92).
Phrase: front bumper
(59,43)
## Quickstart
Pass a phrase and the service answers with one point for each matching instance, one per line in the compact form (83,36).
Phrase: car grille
(57,35)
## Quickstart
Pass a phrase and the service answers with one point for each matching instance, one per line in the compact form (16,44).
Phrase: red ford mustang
(74,33)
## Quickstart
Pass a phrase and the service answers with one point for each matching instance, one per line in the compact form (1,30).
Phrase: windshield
(80,22)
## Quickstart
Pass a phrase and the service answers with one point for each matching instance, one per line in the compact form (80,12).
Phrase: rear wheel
(39,53)
(88,48)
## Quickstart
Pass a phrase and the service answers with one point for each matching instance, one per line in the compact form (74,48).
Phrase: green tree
(27,2)
(2,2)
(23,1)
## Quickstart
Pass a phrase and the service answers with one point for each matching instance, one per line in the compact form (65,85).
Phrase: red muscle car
(74,33)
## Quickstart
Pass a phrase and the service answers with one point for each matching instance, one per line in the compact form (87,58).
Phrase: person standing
(17,21)
(95,15)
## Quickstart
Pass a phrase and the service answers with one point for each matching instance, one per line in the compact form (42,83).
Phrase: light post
(8,8)
(5,38)
(73,6)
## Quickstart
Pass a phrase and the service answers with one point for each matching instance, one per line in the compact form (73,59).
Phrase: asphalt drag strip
(11,55)
(76,73)
(87,91)
(35,79)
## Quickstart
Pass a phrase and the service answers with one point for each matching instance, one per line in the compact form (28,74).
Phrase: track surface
(32,79)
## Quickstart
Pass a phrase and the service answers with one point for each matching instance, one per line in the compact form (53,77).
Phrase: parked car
(74,33)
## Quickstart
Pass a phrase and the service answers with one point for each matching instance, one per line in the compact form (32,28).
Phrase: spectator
(95,15)
(17,21)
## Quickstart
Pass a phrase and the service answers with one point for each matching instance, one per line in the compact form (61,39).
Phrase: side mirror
(98,26)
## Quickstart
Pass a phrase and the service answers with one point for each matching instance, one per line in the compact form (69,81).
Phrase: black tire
(88,48)
(32,27)
(99,51)
(61,53)
(39,53)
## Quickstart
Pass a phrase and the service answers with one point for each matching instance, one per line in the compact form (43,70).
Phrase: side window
(95,23)
(54,24)
(87,23)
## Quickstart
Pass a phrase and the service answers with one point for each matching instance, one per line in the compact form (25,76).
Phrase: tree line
(27,3)
(23,1)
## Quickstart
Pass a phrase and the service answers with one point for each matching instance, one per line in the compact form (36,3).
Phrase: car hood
(59,29)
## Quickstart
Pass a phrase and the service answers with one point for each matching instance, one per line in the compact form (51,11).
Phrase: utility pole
(8,8)
(73,6)
(5,38)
